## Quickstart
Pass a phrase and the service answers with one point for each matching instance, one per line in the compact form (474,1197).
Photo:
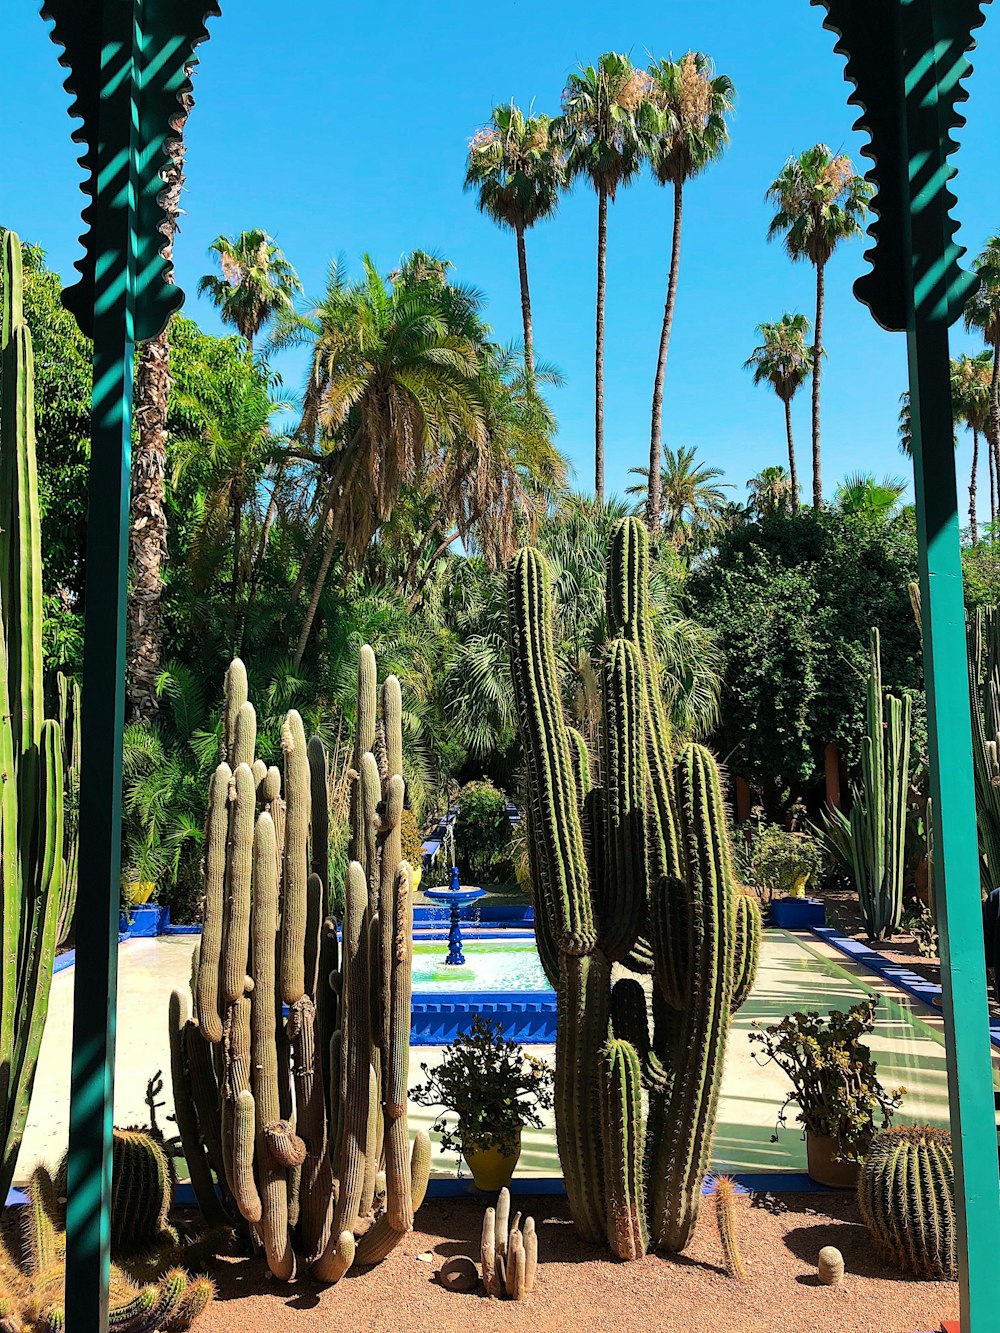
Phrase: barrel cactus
(31,748)
(290,1076)
(636,871)
(907,1198)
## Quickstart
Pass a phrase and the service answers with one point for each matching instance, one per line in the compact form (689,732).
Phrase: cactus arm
(623,894)
(264,1046)
(748,936)
(237,888)
(236,693)
(548,758)
(364,742)
(220,793)
(319,845)
(316,1186)
(245,739)
(295,864)
(192,1141)
(396,1064)
(581,1031)
(624,1149)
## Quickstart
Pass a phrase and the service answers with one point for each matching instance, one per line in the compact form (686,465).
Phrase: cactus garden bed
(581,1287)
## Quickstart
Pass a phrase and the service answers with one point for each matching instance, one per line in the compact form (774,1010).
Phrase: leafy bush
(772,861)
(835,1081)
(483,834)
(491,1084)
(412,838)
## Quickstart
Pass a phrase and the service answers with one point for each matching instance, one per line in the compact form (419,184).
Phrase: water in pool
(499,965)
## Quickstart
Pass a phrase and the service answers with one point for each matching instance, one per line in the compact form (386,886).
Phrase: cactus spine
(637,871)
(871,843)
(296,1118)
(32,826)
(907,1198)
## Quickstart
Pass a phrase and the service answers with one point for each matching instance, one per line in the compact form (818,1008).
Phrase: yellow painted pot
(416,875)
(138,892)
(798,888)
(491,1169)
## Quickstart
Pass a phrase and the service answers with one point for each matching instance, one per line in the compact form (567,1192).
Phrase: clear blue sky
(347,133)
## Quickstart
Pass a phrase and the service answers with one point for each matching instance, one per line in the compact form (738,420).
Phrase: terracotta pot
(826,1166)
(491,1169)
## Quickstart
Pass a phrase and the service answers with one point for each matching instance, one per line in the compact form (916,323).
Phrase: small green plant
(835,1081)
(921,925)
(483,834)
(773,861)
(491,1084)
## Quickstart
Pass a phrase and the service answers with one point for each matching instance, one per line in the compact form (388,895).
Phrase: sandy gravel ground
(579,1288)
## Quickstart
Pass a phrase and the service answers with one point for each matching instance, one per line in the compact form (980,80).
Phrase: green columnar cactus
(32,795)
(637,872)
(69,730)
(870,844)
(298,1118)
(907,1198)
(983,637)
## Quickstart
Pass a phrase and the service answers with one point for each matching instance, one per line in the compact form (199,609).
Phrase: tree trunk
(791,455)
(995,398)
(973,526)
(831,772)
(653,503)
(817,364)
(234,588)
(317,592)
(414,599)
(602,259)
(993,486)
(522,269)
(148,519)
(317,537)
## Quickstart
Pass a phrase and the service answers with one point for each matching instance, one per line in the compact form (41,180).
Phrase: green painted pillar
(907,59)
(127,60)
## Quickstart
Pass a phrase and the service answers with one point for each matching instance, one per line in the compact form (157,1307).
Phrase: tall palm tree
(255,282)
(771,493)
(691,102)
(783,359)
(860,493)
(693,500)
(516,167)
(971,392)
(605,118)
(148,512)
(393,378)
(820,202)
(983,313)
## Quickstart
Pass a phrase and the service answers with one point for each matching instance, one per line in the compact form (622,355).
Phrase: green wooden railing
(127,61)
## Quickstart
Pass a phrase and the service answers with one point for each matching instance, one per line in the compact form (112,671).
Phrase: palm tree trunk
(442,546)
(973,526)
(148,526)
(791,455)
(993,486)
(602,262)
(817,364)
(522,269)
(317,592)
(318,530)
(653,505)
(234,587)
(993,435)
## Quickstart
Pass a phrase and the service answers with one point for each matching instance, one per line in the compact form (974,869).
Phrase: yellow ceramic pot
(416,875)
(138,892)
(798,888)
(491,1169)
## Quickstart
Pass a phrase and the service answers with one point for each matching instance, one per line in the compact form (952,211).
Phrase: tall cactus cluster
(871,842)
(290,1079)
(33,1284)
(983,639)
(906,1194)
(31,753)
(632,872)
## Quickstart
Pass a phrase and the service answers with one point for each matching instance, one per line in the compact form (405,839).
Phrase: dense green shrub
(483,834)
(412,839)
(773,861)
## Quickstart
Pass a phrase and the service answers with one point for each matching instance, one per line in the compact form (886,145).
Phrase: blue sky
(342,129)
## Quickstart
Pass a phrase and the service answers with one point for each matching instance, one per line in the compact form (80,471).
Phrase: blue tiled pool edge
(437,1017)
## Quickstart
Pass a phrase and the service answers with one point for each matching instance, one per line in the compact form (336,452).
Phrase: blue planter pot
(797,913)
(145,921)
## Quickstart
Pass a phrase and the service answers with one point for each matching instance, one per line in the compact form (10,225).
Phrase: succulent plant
(508,1251)
(290,1080)
(725,1213)
(637,872)
(907,1198)
(32,826)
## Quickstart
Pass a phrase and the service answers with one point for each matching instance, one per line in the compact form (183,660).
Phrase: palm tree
(983,313)
(771,493)
(256,282)
(820,202)
(515,165)
(605,114)
(147,510)
(691,102)
(860,493)
(692,503)
(971,378)
(393,378)
(783,360)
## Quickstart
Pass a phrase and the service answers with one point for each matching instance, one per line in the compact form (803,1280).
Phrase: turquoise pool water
(490,965)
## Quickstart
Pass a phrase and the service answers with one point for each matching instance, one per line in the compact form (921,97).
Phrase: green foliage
(835,1082)
(771,860)
(491,1084)
(483,834)
(412,838)
(791,600)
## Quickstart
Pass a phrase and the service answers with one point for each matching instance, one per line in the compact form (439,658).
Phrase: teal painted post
(128,61)
(907,59)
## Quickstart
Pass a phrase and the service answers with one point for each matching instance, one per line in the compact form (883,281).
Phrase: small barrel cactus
(907,1198)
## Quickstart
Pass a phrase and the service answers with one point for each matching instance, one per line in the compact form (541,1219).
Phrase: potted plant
(141,914)
(778,865)
(495,1089)
(835,1084)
